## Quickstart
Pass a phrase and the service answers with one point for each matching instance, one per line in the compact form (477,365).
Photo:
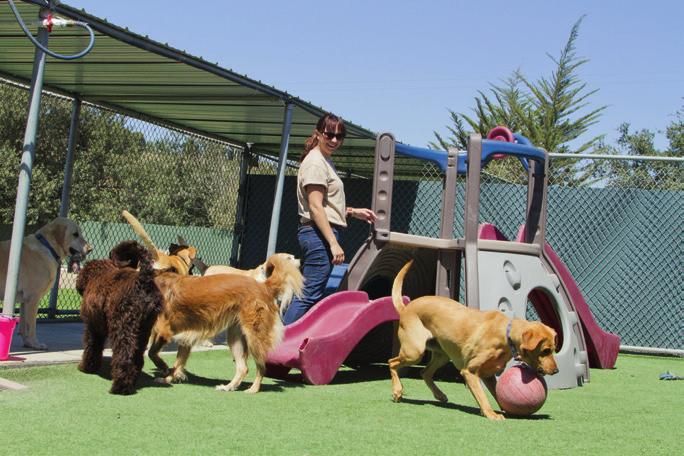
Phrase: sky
(400,66)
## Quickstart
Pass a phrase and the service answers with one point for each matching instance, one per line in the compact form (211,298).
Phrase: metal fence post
(278,197)
(449,264)
(241,206)
(25,170)
(471,220)
(66,191)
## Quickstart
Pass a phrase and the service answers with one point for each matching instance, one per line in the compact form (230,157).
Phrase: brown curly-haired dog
(122,304)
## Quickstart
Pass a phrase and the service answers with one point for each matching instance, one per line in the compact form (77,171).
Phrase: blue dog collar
(47,245)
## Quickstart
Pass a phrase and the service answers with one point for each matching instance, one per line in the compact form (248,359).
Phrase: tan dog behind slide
(38,269)
(199,307)
(180,257)
(260,274)
(474,341)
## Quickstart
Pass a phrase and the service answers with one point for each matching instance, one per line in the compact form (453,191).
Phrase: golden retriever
(197,308)
(180,257)
(478,343)
(260,273)
(41,256)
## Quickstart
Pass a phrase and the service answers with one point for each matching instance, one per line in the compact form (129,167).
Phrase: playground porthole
(512,274)
(505,307)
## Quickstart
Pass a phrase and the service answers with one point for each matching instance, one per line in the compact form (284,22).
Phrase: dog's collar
(511,345)
(188,264)
(47,245)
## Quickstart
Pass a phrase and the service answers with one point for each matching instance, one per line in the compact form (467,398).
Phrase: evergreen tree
(551,111)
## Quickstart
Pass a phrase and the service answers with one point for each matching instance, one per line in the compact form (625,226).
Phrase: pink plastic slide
(602,346)
(319,342)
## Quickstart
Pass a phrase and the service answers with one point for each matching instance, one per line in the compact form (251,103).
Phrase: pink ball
(520,391)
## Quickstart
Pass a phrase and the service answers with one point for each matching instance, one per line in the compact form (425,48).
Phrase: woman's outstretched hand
(363,213)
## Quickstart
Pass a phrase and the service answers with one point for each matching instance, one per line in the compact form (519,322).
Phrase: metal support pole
(278,197)
(239,227)
(69,165)
(446,266)
(66,190)
(25,171)
(471,221)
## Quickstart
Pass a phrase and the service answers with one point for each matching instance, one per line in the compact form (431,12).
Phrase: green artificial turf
(625,411)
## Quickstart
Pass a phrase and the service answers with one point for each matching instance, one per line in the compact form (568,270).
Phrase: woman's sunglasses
(330,135)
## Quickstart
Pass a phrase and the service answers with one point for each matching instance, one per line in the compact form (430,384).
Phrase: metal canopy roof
(129,72)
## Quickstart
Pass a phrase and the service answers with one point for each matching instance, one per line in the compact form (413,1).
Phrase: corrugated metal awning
(136,74)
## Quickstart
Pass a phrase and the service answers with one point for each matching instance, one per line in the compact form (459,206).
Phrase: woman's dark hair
(329,122)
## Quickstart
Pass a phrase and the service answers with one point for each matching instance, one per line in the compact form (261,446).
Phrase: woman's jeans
(316,268)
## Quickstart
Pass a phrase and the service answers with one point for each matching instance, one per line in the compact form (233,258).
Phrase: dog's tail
(140,231)
(146,271)
(262,336)
(146,284)
(284,280)
(397,298)
(132,254)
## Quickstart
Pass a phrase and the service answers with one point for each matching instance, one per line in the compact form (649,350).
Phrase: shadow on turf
(214,382)
(468,409)
(145,380)
(446,405)
(448,374)
(375,372)
(369,373)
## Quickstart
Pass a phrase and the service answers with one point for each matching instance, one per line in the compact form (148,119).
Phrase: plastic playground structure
(499,274)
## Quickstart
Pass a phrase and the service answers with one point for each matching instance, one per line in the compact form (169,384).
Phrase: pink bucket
(7,325)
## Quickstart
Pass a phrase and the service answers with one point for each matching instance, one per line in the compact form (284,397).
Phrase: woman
(323,213)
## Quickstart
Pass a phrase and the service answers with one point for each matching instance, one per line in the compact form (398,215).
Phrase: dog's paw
(207,343)
(176,377)
(179,376)
(88,369)
(34,344)
(495,416)
(161,380)
(122,390)
(162,371)
(441,397)
(228,387)
(396,397)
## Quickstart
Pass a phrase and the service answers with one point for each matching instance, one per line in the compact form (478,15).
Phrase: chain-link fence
(621,236)
(175,183)
(622,240)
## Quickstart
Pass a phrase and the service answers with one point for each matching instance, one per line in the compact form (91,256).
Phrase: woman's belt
(312,224)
